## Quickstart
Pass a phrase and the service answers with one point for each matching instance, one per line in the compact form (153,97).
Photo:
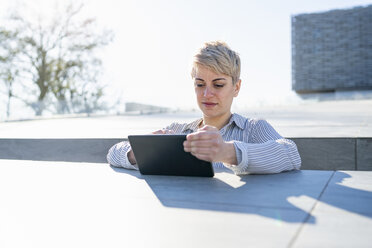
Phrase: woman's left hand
(207,144)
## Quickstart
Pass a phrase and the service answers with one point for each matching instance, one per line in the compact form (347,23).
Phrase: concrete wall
(316,153)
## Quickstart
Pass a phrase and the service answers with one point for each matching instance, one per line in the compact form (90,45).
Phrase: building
(133,107)
(332,51)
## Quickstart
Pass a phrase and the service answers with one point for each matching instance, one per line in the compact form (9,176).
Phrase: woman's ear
(237,87)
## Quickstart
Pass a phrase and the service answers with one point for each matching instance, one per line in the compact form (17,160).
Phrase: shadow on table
(287,197)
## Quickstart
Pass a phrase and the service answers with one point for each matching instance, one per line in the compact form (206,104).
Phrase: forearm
(273,156)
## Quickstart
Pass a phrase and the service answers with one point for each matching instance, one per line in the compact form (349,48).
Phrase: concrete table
(69,204)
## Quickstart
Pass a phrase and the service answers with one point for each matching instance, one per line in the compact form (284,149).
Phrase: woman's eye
(219,85)
(199,85)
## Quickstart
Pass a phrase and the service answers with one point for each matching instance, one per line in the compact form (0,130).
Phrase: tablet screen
(158,154)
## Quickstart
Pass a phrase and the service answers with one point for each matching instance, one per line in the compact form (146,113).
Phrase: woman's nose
(207,92)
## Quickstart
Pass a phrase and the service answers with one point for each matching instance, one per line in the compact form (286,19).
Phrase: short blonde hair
(218,57)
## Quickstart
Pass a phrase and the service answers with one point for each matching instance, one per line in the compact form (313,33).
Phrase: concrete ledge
(335,153)
(316,153)
(327,153)
(68,150)
(364,154)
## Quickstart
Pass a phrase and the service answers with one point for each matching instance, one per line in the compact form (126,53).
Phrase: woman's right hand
(131,157)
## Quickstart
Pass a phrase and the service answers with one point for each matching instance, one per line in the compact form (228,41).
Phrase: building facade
(332,51)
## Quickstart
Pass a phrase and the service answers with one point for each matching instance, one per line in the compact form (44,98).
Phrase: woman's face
(214,92)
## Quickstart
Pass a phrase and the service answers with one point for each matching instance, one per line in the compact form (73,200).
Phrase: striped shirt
(259,148)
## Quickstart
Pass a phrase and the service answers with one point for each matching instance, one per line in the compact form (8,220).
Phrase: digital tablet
(163,154)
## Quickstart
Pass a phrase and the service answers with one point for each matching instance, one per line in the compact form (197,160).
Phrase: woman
(226,139)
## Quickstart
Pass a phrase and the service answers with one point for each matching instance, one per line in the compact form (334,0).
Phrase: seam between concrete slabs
(356,153)
(293,240)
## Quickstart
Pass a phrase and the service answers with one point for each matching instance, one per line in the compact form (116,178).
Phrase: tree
(54,62)
(7,71)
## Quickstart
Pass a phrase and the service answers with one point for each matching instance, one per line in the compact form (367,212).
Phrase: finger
(202,157)
(202,135)
(187,144)
(203,143)
(201,150)
(158,132)
(208,128)
(197,146)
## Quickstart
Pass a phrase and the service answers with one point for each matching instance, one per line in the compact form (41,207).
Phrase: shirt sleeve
(267,153)
(118,156)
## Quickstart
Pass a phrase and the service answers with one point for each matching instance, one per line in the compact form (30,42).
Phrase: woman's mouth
(209,104)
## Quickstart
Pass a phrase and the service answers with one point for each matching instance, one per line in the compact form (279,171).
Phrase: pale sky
(149,59)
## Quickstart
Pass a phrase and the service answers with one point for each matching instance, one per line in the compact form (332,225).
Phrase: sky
(149,60)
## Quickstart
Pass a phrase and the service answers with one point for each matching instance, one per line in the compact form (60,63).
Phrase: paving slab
(343,213)
(65,204)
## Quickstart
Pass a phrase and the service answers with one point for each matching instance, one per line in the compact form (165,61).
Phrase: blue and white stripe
(259,148)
